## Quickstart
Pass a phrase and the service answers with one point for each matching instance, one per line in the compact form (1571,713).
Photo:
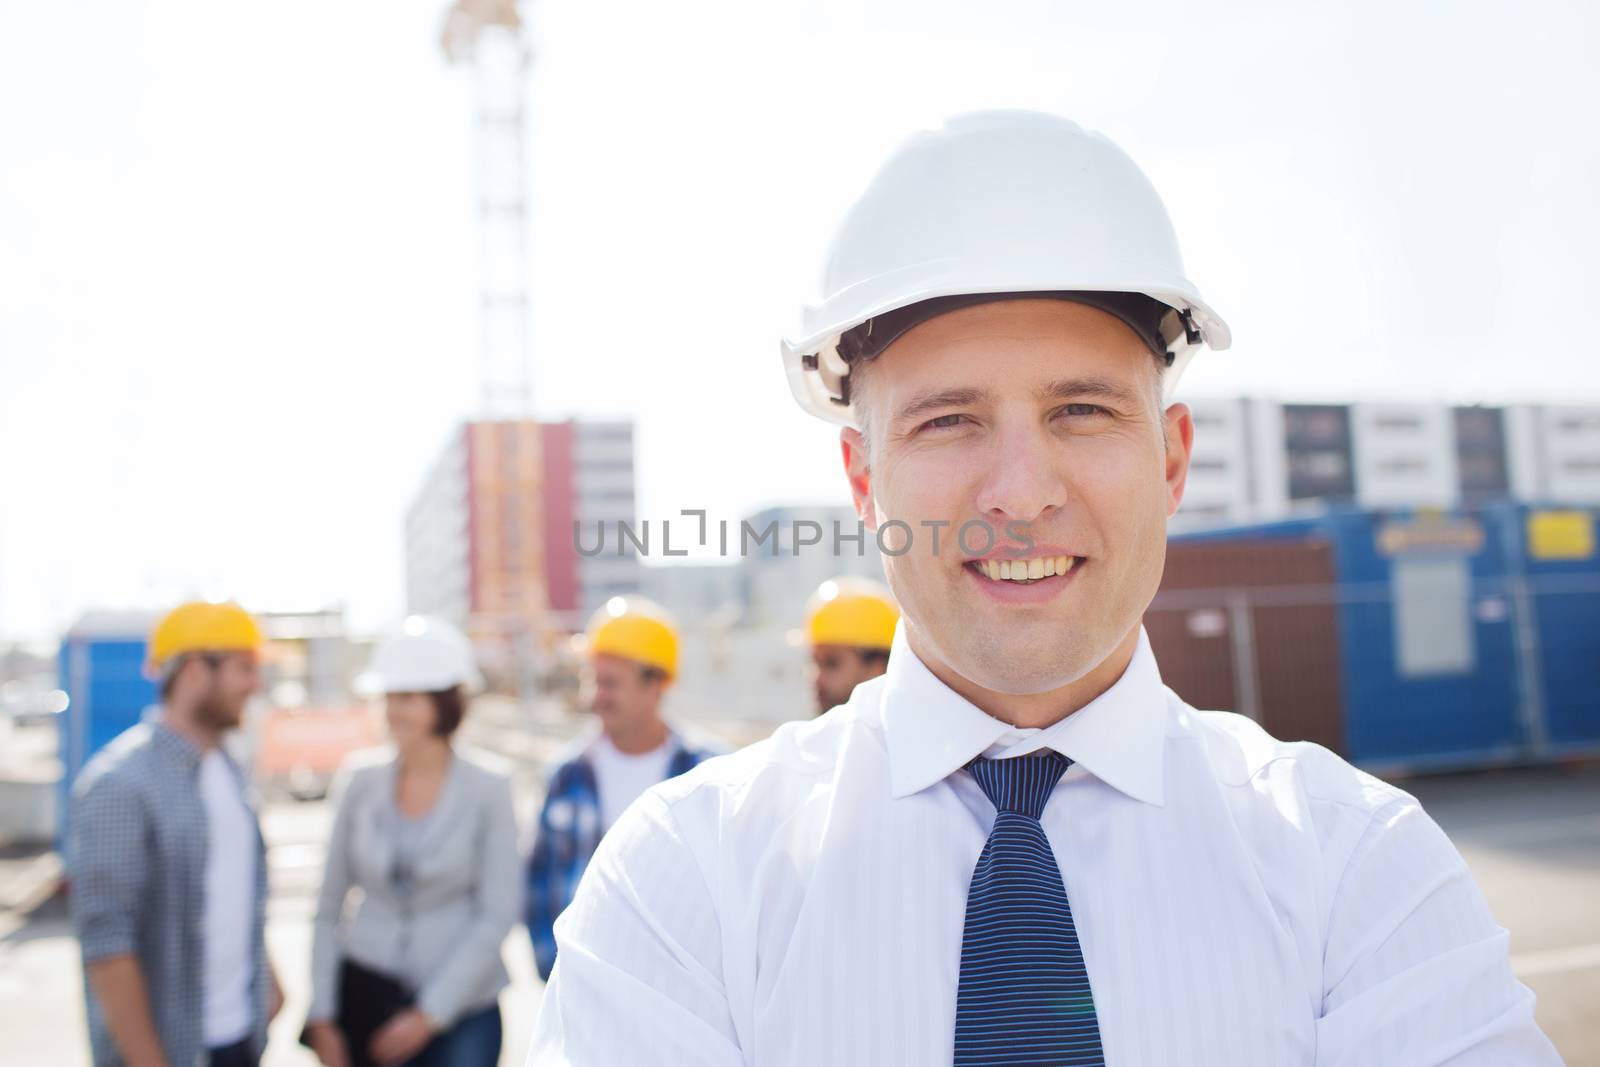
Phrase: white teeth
(1021,570)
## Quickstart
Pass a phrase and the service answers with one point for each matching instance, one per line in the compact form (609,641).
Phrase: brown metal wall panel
(1265,608)
(1199,669)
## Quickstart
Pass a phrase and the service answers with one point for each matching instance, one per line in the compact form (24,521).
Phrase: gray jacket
(444,936)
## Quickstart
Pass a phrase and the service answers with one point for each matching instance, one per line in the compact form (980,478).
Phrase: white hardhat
(998,202)
(425,655)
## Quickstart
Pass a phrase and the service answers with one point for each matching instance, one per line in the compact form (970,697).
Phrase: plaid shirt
(569,832)
(136,862)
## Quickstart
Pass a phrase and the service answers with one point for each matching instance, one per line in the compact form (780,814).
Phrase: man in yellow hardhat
(632,658)
(167,864)
(850,627)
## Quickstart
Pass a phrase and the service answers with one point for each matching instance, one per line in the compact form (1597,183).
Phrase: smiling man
(1018,847)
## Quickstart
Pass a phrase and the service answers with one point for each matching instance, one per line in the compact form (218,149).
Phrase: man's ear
(853,447)
(1179,430)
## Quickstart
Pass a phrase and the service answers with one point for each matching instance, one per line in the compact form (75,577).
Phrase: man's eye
(943,422)
(1083,409)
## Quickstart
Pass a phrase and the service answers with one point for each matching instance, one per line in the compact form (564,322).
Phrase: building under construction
(490,535)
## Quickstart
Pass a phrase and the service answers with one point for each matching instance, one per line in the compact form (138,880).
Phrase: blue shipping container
(1557,547)
(1467,638)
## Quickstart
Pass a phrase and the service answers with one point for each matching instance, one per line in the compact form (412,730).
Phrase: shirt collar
(171,744)
(594,734)
(932,732)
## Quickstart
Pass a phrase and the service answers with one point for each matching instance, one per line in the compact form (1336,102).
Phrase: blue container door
(1563,582)
(1430,666)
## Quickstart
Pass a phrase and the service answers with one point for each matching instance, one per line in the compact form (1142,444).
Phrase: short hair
(169,675)
(449,707)
(170,670)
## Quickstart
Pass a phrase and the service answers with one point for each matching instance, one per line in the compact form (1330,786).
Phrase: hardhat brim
(374,684)
(810,389)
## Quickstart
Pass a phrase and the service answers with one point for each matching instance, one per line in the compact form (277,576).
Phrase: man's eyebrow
(940,398)
(1089,388)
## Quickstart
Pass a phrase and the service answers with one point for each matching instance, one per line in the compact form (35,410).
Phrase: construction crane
(507,616)
(489,36)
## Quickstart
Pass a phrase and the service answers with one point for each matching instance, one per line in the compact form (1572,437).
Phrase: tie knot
(1021,784)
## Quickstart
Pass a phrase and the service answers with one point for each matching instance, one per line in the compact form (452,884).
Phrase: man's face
(231,678)
(836,670)
(617,690)
(1042,413)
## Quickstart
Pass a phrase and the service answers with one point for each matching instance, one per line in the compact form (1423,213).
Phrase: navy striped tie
(1024,996)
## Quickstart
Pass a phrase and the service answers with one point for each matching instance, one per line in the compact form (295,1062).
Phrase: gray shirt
(137,841)
(408,833)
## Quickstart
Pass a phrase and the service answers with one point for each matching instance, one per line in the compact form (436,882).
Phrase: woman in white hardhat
(427,832)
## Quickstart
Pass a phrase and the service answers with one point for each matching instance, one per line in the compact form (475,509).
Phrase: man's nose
(1023,480)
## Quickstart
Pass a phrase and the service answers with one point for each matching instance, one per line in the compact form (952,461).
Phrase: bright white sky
(238,256)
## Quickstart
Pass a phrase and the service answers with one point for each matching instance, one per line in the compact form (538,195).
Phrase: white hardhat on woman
(426,655)
(1079,220)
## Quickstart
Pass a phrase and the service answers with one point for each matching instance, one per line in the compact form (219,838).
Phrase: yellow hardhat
(637,629)
(203,626)
(851,611)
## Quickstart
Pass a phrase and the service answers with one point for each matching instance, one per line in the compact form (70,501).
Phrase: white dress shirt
(1239,900)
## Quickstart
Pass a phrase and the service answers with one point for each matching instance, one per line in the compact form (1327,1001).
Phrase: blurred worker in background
(1004,319)
(632,657)
(167,865)
(426,832)
(849,626)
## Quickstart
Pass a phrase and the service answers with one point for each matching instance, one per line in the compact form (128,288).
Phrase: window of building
(1317,438)
(1320,473)
(1578,423)
(1481,454)
(1479,428)
(1482,476)
(596,466)
(1313,424)
(1397,423)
